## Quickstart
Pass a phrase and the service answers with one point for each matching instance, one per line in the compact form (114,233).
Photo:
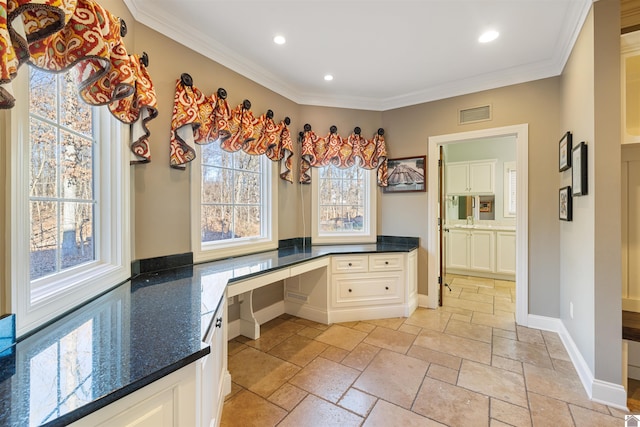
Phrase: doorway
(520,132)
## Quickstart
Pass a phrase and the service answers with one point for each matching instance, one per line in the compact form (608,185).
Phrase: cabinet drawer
(385,262)
(350,264)
(356,290)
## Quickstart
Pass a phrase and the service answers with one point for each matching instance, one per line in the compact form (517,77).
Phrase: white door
(482,249)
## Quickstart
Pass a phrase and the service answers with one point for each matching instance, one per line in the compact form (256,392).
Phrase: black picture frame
(406,174)
(565,204)
(579,176)
(564,152)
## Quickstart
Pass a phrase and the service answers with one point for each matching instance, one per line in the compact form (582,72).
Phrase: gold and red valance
(318,151)
(79,35)
(200,119)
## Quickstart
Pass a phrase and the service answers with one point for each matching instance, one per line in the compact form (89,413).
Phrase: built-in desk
(146,345)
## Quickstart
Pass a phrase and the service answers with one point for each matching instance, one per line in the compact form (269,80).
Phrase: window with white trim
(70,199)
(232,203)
(343,205)
(509,189)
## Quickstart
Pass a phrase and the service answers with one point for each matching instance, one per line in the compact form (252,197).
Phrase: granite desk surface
(138,332)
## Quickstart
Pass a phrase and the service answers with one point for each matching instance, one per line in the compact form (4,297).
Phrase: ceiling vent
(475,114)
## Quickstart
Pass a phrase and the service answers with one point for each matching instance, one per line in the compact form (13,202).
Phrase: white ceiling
(384,54)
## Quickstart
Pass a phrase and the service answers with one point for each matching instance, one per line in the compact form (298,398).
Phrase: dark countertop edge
(120,393)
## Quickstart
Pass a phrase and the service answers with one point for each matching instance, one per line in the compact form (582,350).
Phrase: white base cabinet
(506,252)
(481,251)
(356,287)
(190,396)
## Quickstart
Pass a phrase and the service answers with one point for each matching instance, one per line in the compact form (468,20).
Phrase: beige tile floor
(466,364)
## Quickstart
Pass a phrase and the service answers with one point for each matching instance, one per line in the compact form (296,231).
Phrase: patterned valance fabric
(341,152)
(60,35)
(200,119)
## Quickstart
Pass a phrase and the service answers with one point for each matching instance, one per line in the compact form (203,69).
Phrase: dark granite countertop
(135,334)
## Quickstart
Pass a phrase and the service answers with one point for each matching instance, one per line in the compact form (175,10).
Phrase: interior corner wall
(607,157)
(345,119)
(162,194)
(536,103)
(576,237)
(590,254)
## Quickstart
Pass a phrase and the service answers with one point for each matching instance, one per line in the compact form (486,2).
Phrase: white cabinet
(482,250)
(470,177)
(457,250)
(372,286)
(190,396)
(471,250)
(506,252)
(490,253)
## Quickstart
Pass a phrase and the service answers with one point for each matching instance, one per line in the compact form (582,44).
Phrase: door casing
(521,133)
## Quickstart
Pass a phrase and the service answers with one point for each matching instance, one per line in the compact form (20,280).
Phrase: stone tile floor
(465,364)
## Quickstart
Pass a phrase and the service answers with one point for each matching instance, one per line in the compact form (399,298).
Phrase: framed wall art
(406,174)
(565,204)
(579,172)
(564,154)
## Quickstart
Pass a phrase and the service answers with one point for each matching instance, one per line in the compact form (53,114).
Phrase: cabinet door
(482,248)
(506,252)
(457,178)
(481,177)
(457,249)
(350,290)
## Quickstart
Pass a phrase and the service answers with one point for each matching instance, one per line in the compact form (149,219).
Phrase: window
(344,205)
(509,189)
(234,193)
(70,199)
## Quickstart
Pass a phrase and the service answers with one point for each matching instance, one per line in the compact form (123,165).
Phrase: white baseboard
(262,316)
(599,391)
(634,372)
(306,311)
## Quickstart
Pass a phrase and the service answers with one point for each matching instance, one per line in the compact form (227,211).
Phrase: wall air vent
(296,297)
(475,114)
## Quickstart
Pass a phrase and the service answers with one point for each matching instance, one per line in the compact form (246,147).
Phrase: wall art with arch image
(406,174)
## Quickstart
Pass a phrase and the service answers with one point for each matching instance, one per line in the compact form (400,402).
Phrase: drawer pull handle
(349,290)
(219,322)
(386,263)
(386,288)
(350,264)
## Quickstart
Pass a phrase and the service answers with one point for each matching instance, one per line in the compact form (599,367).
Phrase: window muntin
(343,205)
(61,180)
(235,192)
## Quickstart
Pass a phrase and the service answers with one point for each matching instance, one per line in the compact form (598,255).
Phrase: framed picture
(564,153)
(406,174)
(565,205)
(579,172)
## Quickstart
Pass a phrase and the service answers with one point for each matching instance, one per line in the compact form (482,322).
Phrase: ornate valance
(60,35)
(341,152)
(200,119)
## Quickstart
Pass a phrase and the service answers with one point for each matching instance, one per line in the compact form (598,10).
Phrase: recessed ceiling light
(279,40)
(328,77)
(488,36)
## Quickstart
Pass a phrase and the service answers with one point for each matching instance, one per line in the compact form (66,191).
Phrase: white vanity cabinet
(190,396)
(481,251)
(457,251)
(506,252)
(471,250)
(476,177)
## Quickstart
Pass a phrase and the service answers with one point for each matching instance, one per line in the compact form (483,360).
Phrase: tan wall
(536,103)
(590,245)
